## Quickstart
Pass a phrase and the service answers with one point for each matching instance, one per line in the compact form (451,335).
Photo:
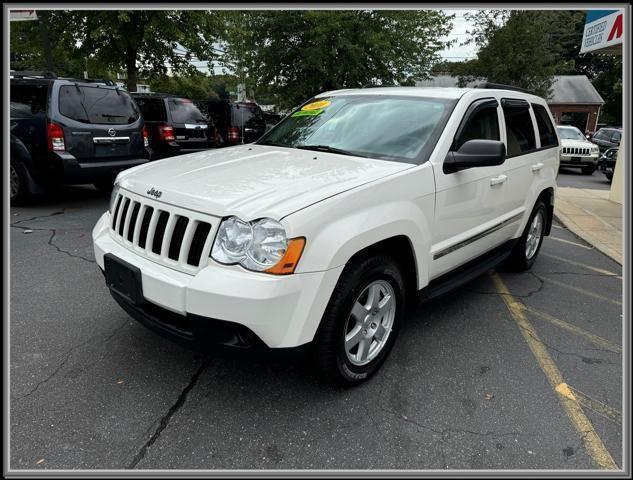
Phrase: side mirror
(475,153)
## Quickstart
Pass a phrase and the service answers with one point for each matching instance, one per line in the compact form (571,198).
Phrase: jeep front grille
(172,236)
(575,151)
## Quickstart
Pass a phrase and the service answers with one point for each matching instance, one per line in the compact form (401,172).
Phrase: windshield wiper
(327,148)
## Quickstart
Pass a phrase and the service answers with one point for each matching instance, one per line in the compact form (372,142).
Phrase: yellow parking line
(584,265)
(590,439)
(571,243)
(597,406)
(595,339)
(581,290)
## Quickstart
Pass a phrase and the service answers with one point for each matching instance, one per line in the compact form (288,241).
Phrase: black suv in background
(238,122)
(175,124)
(70,131)
(607,138)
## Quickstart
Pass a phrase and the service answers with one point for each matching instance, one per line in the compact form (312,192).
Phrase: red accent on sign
(616,30)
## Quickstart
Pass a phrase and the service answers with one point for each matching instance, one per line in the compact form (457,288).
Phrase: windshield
(571,134)
(184,110)
(377,126)
(93,104)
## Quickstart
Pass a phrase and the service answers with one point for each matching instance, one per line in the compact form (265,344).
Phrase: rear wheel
(527,247)
(18,176)
(588,170)
(361,322)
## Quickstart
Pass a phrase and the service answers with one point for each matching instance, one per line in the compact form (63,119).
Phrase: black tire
(518,260)
(104,186)
(609,177)
(329,352)
(588,170)
(19,185)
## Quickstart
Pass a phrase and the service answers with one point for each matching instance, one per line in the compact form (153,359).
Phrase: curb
(569,225)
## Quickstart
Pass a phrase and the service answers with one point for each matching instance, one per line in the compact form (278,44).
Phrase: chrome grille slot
(197,243)
(163,233)
(126,204)
(147,216)
(177,237)
(132,224)
(159,232)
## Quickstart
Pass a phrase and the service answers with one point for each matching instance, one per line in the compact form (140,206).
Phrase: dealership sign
(603,31)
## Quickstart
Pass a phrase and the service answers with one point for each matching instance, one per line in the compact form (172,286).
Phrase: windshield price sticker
(316,105)
(307,113)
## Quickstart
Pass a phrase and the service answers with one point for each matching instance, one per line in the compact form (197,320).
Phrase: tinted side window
(519,129)
(545,128)
(482,125)
(31,97)
(152,109)
(616,137)
(600,135)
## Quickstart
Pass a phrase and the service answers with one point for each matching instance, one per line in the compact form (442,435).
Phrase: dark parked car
(607,163)
(272,119)
(70,131)
(175,124)
(239,122)
(607,138)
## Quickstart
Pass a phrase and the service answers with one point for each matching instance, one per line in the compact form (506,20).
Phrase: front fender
(338,228)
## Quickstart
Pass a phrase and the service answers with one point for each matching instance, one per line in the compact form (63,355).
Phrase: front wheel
(527,247)
(588,170)
(104,186)
(361,322)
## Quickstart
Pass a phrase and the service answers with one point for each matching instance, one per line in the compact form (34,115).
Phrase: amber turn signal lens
(289,261)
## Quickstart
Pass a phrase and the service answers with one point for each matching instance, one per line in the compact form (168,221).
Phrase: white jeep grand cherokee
(319,233)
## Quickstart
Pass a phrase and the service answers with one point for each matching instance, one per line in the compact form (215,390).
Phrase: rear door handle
(537,166)
(498,180)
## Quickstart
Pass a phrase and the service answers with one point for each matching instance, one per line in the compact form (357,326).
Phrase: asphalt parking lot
(512,371)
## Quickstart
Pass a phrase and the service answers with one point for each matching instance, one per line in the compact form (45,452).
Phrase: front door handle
(537,166)
(498,180)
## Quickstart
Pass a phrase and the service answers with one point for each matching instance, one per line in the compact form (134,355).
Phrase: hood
(577,143)
(253,181)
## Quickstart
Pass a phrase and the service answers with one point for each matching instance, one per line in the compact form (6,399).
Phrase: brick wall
(592,110)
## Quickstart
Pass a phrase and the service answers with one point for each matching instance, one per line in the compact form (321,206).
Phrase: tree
(517,47)
(297,54)
(150,42)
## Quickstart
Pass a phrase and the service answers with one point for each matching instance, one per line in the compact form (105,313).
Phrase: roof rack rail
(501,86)
(105,81)
(32,74)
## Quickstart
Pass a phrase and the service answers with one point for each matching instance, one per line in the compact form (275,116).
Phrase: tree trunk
(130,65)
(42,18)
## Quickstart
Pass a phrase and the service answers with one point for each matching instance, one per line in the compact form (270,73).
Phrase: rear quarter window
(31,98)
(519,129)
(546,131)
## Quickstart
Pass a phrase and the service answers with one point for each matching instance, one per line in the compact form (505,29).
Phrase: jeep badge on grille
(154,193)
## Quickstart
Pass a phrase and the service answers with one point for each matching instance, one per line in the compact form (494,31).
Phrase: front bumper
(282,311)
(578,160)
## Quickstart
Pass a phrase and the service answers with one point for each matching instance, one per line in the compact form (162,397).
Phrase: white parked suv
(576,151)
(321,232)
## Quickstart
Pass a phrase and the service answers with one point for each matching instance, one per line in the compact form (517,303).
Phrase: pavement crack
(526,295)
(50,242)
(164,421)
(38,217)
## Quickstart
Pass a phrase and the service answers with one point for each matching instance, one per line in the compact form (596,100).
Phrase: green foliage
(527,48)
(196,86)
(293,55)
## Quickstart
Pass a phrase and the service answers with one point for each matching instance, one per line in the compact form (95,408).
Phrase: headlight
(595,149)
(113,195)
(261,245)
